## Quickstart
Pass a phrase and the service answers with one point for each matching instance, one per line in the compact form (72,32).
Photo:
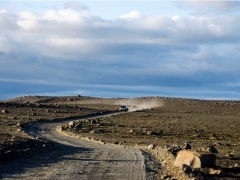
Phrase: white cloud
(155,23)
(84,34)
(94,31)
(27,20)
(2,11)
(67,47)
(132,16)
(67,16)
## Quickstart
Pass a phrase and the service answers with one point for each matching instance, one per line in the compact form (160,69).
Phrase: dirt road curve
(76,159)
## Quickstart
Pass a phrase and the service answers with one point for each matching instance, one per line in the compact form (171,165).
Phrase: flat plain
(151,120)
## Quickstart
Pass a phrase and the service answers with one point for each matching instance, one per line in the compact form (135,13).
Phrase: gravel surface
(76,159)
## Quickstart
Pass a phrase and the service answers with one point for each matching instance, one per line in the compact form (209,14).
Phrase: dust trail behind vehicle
(139,104)
(133,104)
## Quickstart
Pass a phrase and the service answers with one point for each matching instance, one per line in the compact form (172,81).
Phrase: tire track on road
(76,159)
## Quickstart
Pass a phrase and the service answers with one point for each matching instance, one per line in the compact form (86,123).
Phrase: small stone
(131,130)
(208,149)
(214,171)
(151,133)
(151,146)
(93,132)
(5,111)
(71,123)
(165,176)
(236,165)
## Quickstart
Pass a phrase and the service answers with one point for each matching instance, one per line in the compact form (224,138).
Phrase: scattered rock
(71,123)
(131,131)
(208,149)
(93,131)
(5,111)
(196,135)
(93,121)
(78,125)
(165,176)
(174,149)
(214,171)
(237,165)
(151,146)
(151,133)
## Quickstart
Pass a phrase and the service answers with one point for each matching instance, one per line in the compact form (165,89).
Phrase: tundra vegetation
(151,120)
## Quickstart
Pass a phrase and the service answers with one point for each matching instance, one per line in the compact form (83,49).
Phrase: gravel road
(77,159)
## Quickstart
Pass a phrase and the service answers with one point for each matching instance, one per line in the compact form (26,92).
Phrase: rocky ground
(175,121)
(16,114)
(163,122)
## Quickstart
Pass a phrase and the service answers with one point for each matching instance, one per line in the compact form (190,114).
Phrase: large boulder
(189,158)
(194,159)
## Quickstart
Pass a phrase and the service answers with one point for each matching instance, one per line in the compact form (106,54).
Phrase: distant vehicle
(123,108)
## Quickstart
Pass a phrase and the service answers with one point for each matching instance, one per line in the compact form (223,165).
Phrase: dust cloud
(140,104)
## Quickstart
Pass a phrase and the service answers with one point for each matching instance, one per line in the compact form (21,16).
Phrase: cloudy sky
(120,48)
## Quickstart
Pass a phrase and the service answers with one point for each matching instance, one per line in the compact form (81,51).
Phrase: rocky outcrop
(189,158)
(182,163)
(194,159)
(166,158)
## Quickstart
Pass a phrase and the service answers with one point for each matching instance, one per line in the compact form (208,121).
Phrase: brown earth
(175,121)
(17,113)
(153,120)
